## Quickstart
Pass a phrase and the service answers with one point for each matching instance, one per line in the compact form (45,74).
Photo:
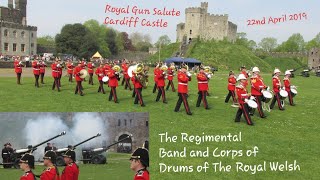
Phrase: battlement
(204,4)
(194,10)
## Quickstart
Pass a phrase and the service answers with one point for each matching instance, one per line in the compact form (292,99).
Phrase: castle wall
(314,58)
(232,32)
(216,27)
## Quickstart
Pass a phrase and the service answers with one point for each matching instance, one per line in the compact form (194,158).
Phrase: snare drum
(267,96)
(105,79)
(251,103)
(283,94)
(294,92)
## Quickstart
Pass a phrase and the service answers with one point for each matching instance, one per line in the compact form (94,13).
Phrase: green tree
(268,44)
(164,40)
(111,36)
(127,43)
(295,43)
(46,44)
(315,42)
(76,39)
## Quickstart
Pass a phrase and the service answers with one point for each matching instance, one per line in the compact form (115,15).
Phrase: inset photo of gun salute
(74,145)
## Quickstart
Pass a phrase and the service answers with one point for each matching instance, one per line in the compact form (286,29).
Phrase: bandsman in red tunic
(36,72)
(113,75)
(27,164)
(155,73)
(243,70)
(170,73)
(231,88)
(203,80)
(139,164)
(123,67)
(70,67)
(138,85)
(133,79)
(51,171)
(55,74)
(91,67)
(243,97)
(276,82)
(126,77)
(257,86)
(287,86)
(79,80)
(100,74)
(183,78)
(42,70)
(161,83)
(18,69)
(71,171)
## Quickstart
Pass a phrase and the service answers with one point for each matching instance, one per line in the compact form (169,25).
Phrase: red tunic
(276,84)
(70,172)
(90,68)
(137,83)
(170,73)
(142,175)
(244,73)
(100,73)
(77,73)
(70,68)
(36,67)
(257,85)
(242,94)
(232,83)
(160,78)
(287,84)
(107,68)
(42,67)
(125,71)
(27,176)
(113,81)
(55,70)
(155,73)
(17,66)
(202,82)
(49,174)
(183,80)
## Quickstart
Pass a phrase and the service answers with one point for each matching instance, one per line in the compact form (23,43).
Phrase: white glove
(189,74)
(209,76)
(252,98)
(246,100)
(268,88)
(58,65)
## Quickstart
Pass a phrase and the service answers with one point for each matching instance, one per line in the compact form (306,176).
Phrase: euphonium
(208,71)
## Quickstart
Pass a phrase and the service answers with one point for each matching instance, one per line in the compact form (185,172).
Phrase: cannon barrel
(108,147)
(61,134)
(86,140)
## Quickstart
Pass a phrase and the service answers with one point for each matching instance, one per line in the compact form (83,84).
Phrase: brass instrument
(140,74)
(208,72)
(164,68)
(83,73)
(117,69)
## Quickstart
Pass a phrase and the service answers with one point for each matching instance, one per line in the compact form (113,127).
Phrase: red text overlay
(277,20)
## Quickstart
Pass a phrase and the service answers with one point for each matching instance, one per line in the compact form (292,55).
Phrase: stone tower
(10,4)
(21,5)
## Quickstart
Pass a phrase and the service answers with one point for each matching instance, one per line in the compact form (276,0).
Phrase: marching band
(110,73)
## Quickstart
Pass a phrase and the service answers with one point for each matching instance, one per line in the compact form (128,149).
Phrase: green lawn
(289,135)
(118,167)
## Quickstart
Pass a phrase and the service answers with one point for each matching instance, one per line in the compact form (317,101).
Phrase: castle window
(22,34)
(14,47)
(23,47)
(190,31)
(32,35)
(192,15)
(147,123)
(14,33)
(6,33)
(32,45)
(125,122)
(119,122)
(6,46)
(130,122)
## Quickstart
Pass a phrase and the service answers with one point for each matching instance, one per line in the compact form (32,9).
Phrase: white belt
(244,94)
(18,67)
(186,84)
(232,84)
(203,82)
(70,69)
(170,75)
(55,71)
(35,69)
(261,86)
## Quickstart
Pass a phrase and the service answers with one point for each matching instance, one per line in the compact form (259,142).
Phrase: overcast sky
(50,16)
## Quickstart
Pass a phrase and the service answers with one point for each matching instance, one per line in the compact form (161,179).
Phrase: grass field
(118,167)
(289,135)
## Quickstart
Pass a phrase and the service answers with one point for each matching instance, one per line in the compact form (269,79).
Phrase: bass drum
(283,94)
(266,96)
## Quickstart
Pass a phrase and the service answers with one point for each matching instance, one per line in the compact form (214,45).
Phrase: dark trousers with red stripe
(290,96)
(56,83)
(91,78)
(18,78)
(258,101)
(138,96)
(231,94)
(162,93)
(202,97)
(78,88)
(42,78)
(101,89)
(59,80)
(127,85)
(182,98)
(123,81)
(277,98)
(36,83)
(134,93)
(154,88)
(70,77)
(170,83)
(113,94)
(243,109)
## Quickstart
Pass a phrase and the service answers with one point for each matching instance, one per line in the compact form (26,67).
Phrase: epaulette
(140,173)
(49,169)
(70,164)
(240,86)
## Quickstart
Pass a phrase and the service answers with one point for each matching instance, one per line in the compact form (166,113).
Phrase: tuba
(140,74)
